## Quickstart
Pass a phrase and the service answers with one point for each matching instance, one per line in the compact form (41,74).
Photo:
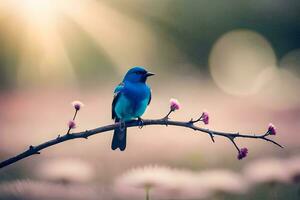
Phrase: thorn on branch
(32,148)
(212,137)
(85,136)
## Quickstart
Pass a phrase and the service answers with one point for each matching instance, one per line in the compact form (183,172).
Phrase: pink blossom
(174,104)
(205,117)
(72,124)
(242,153)
(272,129)
(77,105)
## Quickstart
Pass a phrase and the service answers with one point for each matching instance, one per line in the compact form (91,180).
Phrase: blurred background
(238,60)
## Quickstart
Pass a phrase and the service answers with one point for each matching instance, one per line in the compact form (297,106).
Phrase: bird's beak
(149,74)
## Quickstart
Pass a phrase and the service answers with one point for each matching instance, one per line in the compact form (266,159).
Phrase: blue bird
(131,98)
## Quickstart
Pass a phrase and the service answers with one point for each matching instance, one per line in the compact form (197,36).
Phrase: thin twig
(75,114)
(76,111)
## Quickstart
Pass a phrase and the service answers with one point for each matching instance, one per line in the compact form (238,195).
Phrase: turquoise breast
(127,109)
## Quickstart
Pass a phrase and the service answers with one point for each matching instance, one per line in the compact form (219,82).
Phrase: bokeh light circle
(237,58)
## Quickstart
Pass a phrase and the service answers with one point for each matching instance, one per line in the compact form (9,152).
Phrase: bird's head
(137,74)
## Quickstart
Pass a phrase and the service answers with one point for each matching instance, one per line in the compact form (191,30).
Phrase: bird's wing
(117,93)
(149,98)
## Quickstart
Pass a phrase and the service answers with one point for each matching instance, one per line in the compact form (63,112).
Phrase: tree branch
(32,150)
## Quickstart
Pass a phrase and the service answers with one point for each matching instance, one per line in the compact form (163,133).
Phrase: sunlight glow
(124,39)
(37,7)
(43,55)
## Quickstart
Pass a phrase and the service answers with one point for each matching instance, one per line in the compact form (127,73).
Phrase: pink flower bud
(242,153)
(174,104)
(77,105)
(272,129)
(72,124)
(205,117)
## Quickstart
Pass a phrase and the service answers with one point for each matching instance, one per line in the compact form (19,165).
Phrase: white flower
(223,181)
(136,181)
(163,183)
(65,170)
(185,185)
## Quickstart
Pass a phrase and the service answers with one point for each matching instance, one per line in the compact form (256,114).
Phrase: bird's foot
(141,122)
(122,125)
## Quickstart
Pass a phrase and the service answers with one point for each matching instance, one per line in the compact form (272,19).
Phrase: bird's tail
(119,138)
